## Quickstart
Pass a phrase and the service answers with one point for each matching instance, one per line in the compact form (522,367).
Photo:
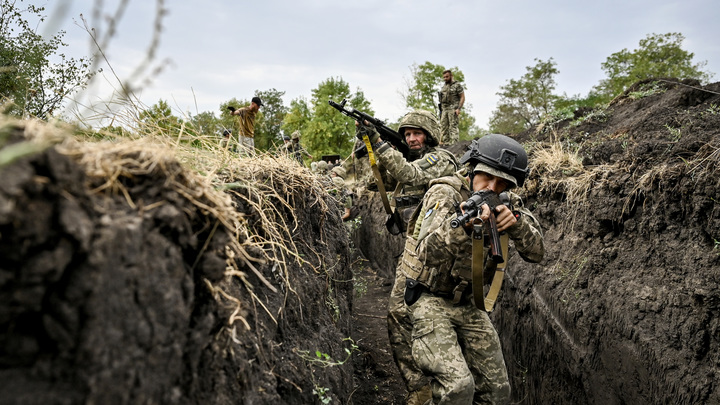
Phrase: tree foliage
(324,130)
(658,55)
(29,79)
(159,118)
(523,102)
(269,120)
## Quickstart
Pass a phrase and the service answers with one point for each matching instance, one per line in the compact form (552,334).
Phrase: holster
(413,291)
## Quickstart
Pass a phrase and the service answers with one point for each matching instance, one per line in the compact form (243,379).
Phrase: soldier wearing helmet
(465,367)
(413,173)
(293,148)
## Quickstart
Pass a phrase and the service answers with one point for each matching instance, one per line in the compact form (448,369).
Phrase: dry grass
(561,171)
(210,178)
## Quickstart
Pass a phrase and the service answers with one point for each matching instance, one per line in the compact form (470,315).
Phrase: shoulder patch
(429,160)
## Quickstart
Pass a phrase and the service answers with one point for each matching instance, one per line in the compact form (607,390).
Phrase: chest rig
(460,279)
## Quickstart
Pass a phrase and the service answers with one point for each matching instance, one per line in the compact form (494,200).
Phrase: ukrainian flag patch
(432,159)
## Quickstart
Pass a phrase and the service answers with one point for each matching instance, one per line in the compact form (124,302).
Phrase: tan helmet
(295,135)
(339,171)
(322,166)
(425,120)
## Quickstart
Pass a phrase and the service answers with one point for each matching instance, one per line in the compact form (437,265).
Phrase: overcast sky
(221,49)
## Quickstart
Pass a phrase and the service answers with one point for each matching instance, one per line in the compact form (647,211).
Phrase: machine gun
(473,209)
(387,134)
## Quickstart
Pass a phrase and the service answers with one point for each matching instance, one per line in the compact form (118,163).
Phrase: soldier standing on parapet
(246,118)
(452,98)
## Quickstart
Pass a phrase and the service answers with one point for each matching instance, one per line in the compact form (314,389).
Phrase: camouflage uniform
(295,150)
(456,344)
(450,101)
(413,178)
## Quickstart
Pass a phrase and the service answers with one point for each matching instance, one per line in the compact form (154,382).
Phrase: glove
(231,108)
(368,130)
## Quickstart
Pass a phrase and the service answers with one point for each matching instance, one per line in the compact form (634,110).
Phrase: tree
(525,101)
(159,118)
(324,130)
(421,94)
(205,124)
(657,56)
(270,119)
(424,84)
(28,79)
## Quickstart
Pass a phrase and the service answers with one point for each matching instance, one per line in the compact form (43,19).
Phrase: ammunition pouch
(442,281)
(408,201)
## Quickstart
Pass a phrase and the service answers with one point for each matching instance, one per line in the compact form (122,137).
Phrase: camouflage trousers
(459,349)
(449,130)
(400,335)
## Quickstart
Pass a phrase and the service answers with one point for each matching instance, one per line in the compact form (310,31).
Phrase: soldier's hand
(231,108)
(365,129)
(504,217)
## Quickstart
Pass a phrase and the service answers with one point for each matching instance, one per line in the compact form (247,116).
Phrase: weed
(675,133)
(361,286)
(714,109)
(716,247)
(646,90)
(324,360)
(597,115)
(321,393)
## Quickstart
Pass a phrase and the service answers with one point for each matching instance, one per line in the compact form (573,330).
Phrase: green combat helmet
(500,156)
(425,120)
(295,135)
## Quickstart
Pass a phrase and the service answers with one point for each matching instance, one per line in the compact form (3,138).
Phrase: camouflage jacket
(451,95)
(414,176)
(448,252)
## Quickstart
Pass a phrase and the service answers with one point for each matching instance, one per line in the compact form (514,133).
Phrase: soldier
(424,162)
(337,175)
(452,98)
(246,119)
(454,342)
(294,149)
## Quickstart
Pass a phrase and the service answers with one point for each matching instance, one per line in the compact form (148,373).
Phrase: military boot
(421,396)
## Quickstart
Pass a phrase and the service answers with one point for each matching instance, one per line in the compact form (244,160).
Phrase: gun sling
(486,303)
(393,228)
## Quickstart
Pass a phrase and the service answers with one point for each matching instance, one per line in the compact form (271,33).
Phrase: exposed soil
(130,294)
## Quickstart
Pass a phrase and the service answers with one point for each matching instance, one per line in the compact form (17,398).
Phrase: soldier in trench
(453,341)
(424,162)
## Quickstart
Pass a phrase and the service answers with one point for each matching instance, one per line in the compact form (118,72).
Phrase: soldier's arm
(527,234)
(438,242)
(416,173)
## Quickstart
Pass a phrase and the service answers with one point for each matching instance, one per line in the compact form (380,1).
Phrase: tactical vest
(450,279)
(406,198)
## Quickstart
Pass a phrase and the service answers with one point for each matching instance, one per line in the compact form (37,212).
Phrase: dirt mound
(127,279)
(625,308)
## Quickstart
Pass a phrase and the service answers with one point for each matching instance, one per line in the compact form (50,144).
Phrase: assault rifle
(440,102)
(387,134)
(473,209)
